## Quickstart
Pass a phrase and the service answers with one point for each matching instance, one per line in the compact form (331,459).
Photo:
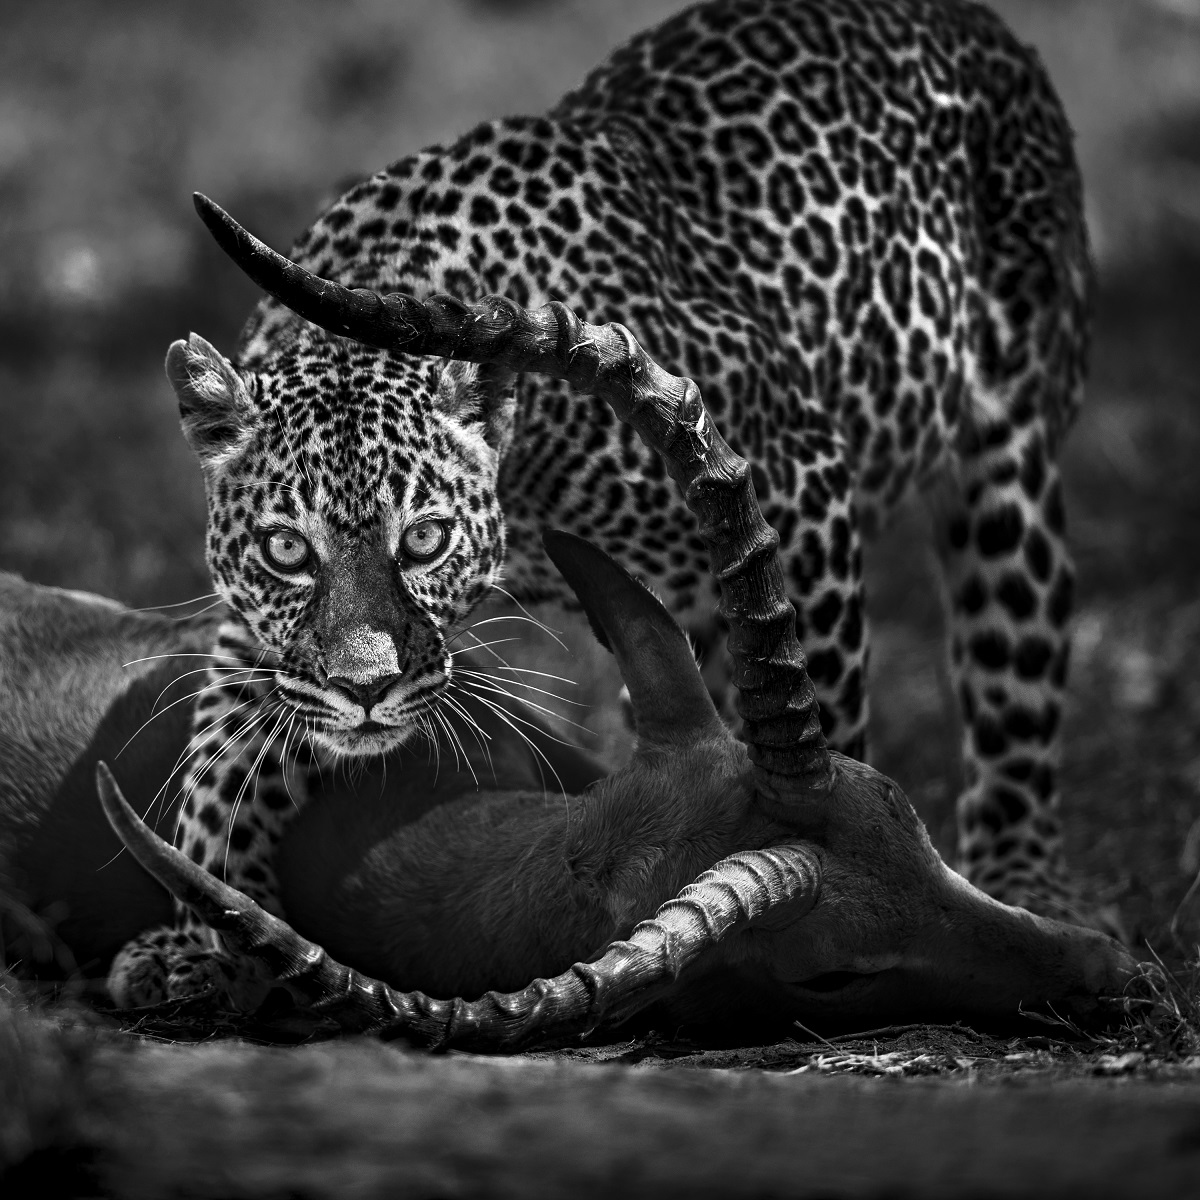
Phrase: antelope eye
(285,550)
(424,540)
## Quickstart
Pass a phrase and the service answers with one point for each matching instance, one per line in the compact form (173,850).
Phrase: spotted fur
(856,223)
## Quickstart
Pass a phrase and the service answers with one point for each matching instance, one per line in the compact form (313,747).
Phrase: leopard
(856,224)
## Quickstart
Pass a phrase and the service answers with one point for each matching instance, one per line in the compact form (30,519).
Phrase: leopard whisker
(497,690)
(480,644)
(480,735)
(194,654)
(511,719)
(524,721)
(308,737)
(199,612)
(466,672)
(158,712)
(206,671)
(157,798)
(179,604)
(189,788)
(526,615)
(544,674)
(160,796)
(436,748)
(253,773)
(505,665)
(301,469)
(431,737)
(456,745)
(287,487)
(241,730)
(436,743)
(287,737)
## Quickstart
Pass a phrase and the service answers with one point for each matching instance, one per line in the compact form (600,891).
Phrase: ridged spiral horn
(775,695)
(737,891)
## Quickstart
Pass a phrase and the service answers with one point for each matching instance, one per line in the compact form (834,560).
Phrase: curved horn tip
(218,222)
(109,790)
(132,831)
(204,205)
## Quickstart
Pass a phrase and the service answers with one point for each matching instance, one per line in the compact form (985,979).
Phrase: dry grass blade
(1162,1012)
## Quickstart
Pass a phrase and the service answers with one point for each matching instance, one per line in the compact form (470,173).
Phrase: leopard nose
(367,694)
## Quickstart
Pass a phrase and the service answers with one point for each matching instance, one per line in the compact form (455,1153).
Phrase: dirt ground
(111,115)
(895,1112)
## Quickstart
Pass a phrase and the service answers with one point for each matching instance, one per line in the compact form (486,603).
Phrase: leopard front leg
(241,789)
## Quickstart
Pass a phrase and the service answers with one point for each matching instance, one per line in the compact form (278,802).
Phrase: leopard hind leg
(1000,523)
(1009,583)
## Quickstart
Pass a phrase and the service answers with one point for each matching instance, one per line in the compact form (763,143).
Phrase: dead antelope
(773,878)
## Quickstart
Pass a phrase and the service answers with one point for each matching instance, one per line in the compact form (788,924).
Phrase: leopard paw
(233,982)
(171,964)
(137,977)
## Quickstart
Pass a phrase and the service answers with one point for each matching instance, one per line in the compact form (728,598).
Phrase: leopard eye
(425,540)
(285,550)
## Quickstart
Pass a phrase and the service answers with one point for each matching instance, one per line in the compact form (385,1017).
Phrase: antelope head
(773,877)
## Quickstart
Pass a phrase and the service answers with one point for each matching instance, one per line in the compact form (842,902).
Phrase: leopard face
(353,524)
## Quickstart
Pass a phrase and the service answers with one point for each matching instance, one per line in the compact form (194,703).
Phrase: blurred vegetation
(110,115)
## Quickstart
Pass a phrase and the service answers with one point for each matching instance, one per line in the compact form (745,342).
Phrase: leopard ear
(214,404)
(481,396)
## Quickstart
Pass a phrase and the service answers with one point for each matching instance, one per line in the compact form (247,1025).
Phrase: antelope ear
(214,405)
(484,396)
(670,701)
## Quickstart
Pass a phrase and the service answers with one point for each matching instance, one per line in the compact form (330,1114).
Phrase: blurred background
(112,113)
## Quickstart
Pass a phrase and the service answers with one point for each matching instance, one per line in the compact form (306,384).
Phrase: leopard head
(353,522)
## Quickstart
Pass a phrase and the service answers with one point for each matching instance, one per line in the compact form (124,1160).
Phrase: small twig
(815,1036)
